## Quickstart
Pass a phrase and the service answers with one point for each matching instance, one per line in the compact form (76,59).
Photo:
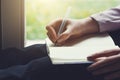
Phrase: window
(40,12)
(12,20)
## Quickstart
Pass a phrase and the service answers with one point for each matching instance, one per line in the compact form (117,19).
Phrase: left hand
(106,62)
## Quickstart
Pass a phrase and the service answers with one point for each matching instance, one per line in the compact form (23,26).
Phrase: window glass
(40,12)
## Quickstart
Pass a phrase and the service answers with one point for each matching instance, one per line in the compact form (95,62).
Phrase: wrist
(91,25)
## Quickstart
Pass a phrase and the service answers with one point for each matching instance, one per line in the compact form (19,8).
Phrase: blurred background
(40,12)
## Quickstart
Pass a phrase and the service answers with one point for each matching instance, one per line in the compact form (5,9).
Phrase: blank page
(78,50)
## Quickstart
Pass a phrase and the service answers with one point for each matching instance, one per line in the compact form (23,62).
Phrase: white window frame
(13,22)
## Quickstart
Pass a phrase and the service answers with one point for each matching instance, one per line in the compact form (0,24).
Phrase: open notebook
(77,51)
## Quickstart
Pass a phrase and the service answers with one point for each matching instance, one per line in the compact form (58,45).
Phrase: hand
(106,62)
(73,29)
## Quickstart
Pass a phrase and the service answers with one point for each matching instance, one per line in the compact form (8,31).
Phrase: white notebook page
(77,51)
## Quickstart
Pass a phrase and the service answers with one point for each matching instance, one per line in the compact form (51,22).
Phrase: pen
(63,22)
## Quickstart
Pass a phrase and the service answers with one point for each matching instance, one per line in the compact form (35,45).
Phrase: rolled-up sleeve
(108,20)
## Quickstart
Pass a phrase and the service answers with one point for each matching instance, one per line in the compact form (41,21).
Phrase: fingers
(105,62)
(52,29)
(103,54)
(100,58)
(63,37)
(51,34)
(109,67)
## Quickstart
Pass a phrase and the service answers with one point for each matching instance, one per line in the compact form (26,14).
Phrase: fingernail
(90,56)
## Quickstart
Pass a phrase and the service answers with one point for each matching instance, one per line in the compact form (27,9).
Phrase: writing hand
(107,63)
(73,29)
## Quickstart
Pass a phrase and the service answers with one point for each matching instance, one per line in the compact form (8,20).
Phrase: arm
(108,20)
(107,62)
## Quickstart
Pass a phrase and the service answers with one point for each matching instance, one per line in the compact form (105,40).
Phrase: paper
(78,50)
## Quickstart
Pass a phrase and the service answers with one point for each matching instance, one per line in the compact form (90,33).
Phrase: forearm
(92,25)
(89,26)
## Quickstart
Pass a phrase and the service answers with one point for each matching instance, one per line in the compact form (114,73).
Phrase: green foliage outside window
(40,12)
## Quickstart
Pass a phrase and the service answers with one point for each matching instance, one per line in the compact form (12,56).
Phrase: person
(107,62)
(33,62)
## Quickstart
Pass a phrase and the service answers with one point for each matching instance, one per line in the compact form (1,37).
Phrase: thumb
(63,37)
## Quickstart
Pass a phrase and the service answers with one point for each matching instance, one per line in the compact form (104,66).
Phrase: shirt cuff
(108,20)
(101,22)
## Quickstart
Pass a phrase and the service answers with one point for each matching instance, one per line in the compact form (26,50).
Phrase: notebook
(77,50)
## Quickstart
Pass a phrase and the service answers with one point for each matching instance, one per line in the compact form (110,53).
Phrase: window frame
(0,28)
(13,23)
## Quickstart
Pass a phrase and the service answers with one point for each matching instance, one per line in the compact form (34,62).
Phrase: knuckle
(47,27)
